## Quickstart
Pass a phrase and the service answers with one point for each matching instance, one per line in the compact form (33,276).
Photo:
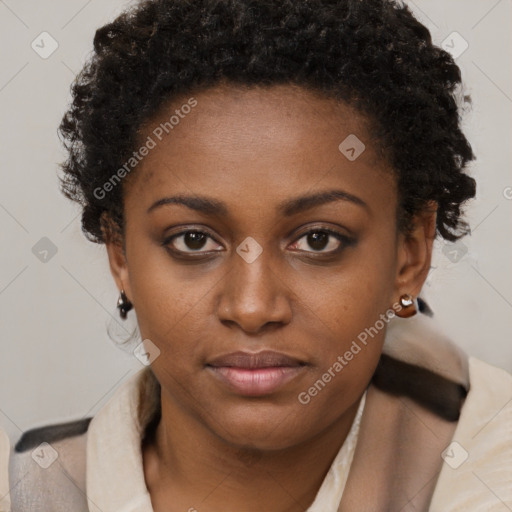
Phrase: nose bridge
(253,294)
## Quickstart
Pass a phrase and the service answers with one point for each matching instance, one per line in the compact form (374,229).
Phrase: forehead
(269,142)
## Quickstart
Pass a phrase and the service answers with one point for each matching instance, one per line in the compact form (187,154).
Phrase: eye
(191,241)
(323,241)
(319,240)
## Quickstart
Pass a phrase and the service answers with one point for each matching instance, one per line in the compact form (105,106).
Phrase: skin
(252,149)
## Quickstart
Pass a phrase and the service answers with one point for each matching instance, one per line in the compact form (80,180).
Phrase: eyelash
(345,242)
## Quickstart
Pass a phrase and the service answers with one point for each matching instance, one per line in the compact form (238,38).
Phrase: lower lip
(256,382)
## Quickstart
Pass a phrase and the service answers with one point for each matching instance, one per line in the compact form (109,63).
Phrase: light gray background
(57,361)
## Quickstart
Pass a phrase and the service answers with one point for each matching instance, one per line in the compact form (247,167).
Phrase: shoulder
(477,467)
(47,468)
(486,375)
(488,408)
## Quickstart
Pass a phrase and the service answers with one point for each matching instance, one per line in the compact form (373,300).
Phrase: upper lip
(252,360)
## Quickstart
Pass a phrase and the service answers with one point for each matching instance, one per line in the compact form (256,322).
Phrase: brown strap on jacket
(410,416)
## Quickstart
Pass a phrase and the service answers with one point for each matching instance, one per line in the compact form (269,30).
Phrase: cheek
(352,311)
(166,295)
(352,296)
(350,306)
(174,311)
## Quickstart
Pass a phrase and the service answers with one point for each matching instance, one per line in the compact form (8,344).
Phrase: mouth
(255,374)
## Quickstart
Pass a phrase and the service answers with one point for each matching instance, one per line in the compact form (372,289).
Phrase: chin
(261,431)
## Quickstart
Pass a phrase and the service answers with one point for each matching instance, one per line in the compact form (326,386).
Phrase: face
(257,254)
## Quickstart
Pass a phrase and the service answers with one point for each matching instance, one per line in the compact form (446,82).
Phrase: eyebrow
(210,206)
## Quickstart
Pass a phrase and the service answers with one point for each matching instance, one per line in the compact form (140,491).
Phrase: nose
(254,296)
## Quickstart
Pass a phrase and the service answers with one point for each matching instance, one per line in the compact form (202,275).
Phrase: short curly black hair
(372,54)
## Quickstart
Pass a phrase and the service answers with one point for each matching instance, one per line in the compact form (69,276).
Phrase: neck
(191,465)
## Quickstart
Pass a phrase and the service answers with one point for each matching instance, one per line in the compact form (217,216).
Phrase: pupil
(318,240)
(194,240)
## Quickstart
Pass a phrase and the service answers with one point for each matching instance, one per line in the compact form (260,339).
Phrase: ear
(116,255)
(414,253)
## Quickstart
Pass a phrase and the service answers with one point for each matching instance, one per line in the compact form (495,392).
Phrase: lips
(255,374)
(250,361)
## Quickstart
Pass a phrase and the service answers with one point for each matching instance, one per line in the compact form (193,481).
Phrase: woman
(268,178)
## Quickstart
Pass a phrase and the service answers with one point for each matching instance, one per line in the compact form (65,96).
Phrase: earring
(123,304)
(409,307)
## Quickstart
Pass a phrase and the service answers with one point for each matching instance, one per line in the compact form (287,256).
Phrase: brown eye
(194,240)
(191,242)
(318,240)
(323,241)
